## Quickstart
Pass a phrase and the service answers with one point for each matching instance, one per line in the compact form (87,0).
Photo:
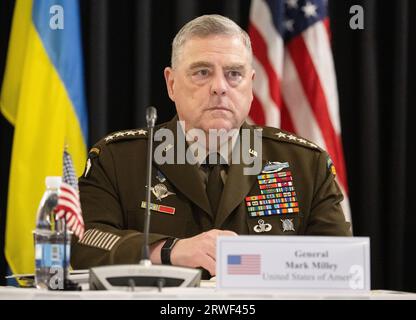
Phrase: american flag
(295,87)
(243,264)
(69,206)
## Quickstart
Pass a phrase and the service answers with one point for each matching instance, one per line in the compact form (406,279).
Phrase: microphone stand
(151,115)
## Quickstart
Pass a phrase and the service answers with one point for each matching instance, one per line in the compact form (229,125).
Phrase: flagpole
(65,235)
(65,264)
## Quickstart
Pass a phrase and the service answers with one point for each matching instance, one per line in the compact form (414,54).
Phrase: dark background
(127,46)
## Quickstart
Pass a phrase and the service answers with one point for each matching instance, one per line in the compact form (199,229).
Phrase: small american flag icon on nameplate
(244,264)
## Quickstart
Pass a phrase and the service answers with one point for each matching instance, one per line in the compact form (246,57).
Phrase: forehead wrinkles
(203,48)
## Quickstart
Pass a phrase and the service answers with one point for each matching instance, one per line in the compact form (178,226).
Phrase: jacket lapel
(185,177)
(238,185)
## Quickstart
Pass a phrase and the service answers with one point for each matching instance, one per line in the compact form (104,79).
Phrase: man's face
(211,84)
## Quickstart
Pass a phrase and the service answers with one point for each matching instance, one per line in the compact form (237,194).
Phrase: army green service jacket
(113,189)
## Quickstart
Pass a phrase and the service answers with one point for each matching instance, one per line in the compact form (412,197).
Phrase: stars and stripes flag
(295,87)
(244,264)
(69,206)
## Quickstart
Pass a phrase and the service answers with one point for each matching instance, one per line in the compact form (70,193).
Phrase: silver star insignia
(109,138)
(292,137)
(141,132)
(302,141)
(280,134)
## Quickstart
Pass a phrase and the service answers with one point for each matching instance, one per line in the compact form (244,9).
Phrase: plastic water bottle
(51,259)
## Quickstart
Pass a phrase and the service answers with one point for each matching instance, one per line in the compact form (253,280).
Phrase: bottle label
(48,255)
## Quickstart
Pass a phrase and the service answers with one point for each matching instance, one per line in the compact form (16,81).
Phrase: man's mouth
(215,108)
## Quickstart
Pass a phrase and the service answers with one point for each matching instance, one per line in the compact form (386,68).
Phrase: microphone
(144,274)
(151,116)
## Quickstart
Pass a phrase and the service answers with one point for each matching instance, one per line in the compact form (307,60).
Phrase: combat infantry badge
(275,166)
(287,225)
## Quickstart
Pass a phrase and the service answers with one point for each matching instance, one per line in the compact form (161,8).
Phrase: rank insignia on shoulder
(331,166)
(289,137)
(125,134)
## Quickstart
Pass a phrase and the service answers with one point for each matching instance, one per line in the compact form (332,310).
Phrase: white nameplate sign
(301,262)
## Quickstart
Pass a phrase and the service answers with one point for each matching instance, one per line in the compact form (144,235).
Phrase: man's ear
(169,78)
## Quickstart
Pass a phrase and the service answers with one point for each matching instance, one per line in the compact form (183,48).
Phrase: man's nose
(219,85)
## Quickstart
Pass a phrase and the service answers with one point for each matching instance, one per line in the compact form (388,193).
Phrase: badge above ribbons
(274,166)
(278,195)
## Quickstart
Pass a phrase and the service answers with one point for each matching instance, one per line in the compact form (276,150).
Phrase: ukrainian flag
(43,97)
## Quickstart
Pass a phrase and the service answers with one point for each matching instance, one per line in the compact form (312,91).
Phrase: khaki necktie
(215,186)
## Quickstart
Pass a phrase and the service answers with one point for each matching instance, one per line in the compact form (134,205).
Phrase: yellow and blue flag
(43,98)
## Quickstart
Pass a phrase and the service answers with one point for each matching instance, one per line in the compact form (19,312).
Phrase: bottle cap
(53,182)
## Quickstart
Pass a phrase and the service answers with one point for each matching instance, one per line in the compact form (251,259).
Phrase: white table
(207,291)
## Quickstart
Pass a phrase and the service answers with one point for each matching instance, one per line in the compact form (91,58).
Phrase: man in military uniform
(210,81)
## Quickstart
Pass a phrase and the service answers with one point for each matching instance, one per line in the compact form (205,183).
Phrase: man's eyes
(234,75)
(202,72)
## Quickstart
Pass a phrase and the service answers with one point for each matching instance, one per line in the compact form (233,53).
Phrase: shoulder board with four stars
(125,134)
(284,136)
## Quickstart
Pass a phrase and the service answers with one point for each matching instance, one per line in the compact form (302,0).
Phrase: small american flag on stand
(69,206)
(244,264)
